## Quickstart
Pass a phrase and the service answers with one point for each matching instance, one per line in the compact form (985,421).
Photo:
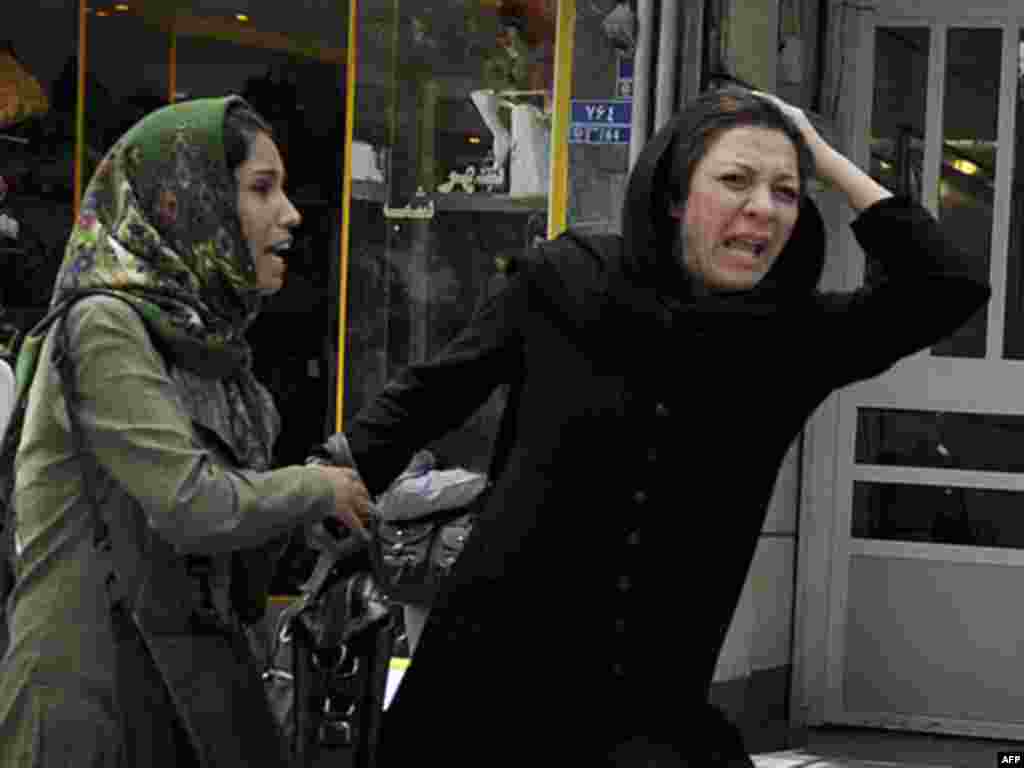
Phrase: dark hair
(732,107)
(241,124)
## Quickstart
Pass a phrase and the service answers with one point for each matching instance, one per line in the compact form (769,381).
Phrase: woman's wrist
(826,161)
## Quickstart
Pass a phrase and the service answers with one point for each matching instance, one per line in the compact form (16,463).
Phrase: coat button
(624,583)
(634,538)
(661,410)
(640,497)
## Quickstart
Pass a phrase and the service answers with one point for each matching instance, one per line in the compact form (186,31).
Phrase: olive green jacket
(168,488)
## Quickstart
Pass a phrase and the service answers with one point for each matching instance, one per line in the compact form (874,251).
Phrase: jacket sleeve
(425,401)
(925,291)
(134,425)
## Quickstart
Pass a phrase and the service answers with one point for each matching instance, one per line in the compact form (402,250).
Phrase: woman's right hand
(352,506)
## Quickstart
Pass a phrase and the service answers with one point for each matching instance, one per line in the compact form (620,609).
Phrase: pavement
(803,759)
(840,747)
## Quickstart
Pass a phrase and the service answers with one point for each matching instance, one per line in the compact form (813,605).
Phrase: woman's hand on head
(832,167)
(800,120)
(352,505)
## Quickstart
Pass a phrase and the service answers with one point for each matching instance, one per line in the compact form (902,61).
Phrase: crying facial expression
(741,209)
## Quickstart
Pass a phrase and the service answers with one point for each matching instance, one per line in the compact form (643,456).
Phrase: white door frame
(824,546)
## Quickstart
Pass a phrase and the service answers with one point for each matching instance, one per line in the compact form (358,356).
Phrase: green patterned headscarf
(159,227)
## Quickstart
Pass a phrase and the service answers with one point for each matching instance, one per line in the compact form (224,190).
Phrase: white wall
(760,636)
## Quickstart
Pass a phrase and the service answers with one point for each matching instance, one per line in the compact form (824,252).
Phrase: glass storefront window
(968,164)
(1013,343)
(451,161)
(939,514)
(926,506)
(38,55)
(939,439)
(450,170)
(118,96)
(899,110)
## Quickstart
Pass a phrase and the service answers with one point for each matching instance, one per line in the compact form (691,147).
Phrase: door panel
(927,499)
(933,639)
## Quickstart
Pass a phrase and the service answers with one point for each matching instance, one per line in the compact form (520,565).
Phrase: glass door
(928,554)
(40,137)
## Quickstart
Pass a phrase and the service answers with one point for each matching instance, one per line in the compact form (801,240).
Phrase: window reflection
(899,110)
(968,164)
(1013,345)
(450,166)
(973,441)
(38,53)
(117,96)
(938,514)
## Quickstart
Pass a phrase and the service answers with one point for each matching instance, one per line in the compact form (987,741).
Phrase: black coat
(636,458)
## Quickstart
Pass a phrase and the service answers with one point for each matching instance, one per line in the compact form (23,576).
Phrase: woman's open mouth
(755,248)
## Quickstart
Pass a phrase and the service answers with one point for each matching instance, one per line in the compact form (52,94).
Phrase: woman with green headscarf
(145,516)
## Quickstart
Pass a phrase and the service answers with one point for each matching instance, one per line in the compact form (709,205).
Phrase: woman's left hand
(832,167)
(800,119)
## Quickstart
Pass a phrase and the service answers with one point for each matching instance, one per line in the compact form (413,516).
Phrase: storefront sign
(601,122)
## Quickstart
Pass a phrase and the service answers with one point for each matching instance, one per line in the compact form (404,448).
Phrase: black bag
(331,650)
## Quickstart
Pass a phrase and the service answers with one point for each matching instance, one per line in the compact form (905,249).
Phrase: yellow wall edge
(558,192)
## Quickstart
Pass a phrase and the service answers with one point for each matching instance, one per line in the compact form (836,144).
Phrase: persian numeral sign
(601,122)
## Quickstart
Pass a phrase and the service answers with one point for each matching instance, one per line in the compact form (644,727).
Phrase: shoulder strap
(69,383)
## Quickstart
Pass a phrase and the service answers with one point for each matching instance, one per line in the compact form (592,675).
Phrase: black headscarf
(652,249)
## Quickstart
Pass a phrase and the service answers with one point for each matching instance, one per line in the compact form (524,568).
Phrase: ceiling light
(965,167)
(121,7)
(242,17)
(474,139)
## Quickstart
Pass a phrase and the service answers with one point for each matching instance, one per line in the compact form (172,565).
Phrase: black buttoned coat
(635,461)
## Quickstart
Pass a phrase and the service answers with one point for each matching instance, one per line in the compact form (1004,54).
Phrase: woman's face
(267,214)
(741,209)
